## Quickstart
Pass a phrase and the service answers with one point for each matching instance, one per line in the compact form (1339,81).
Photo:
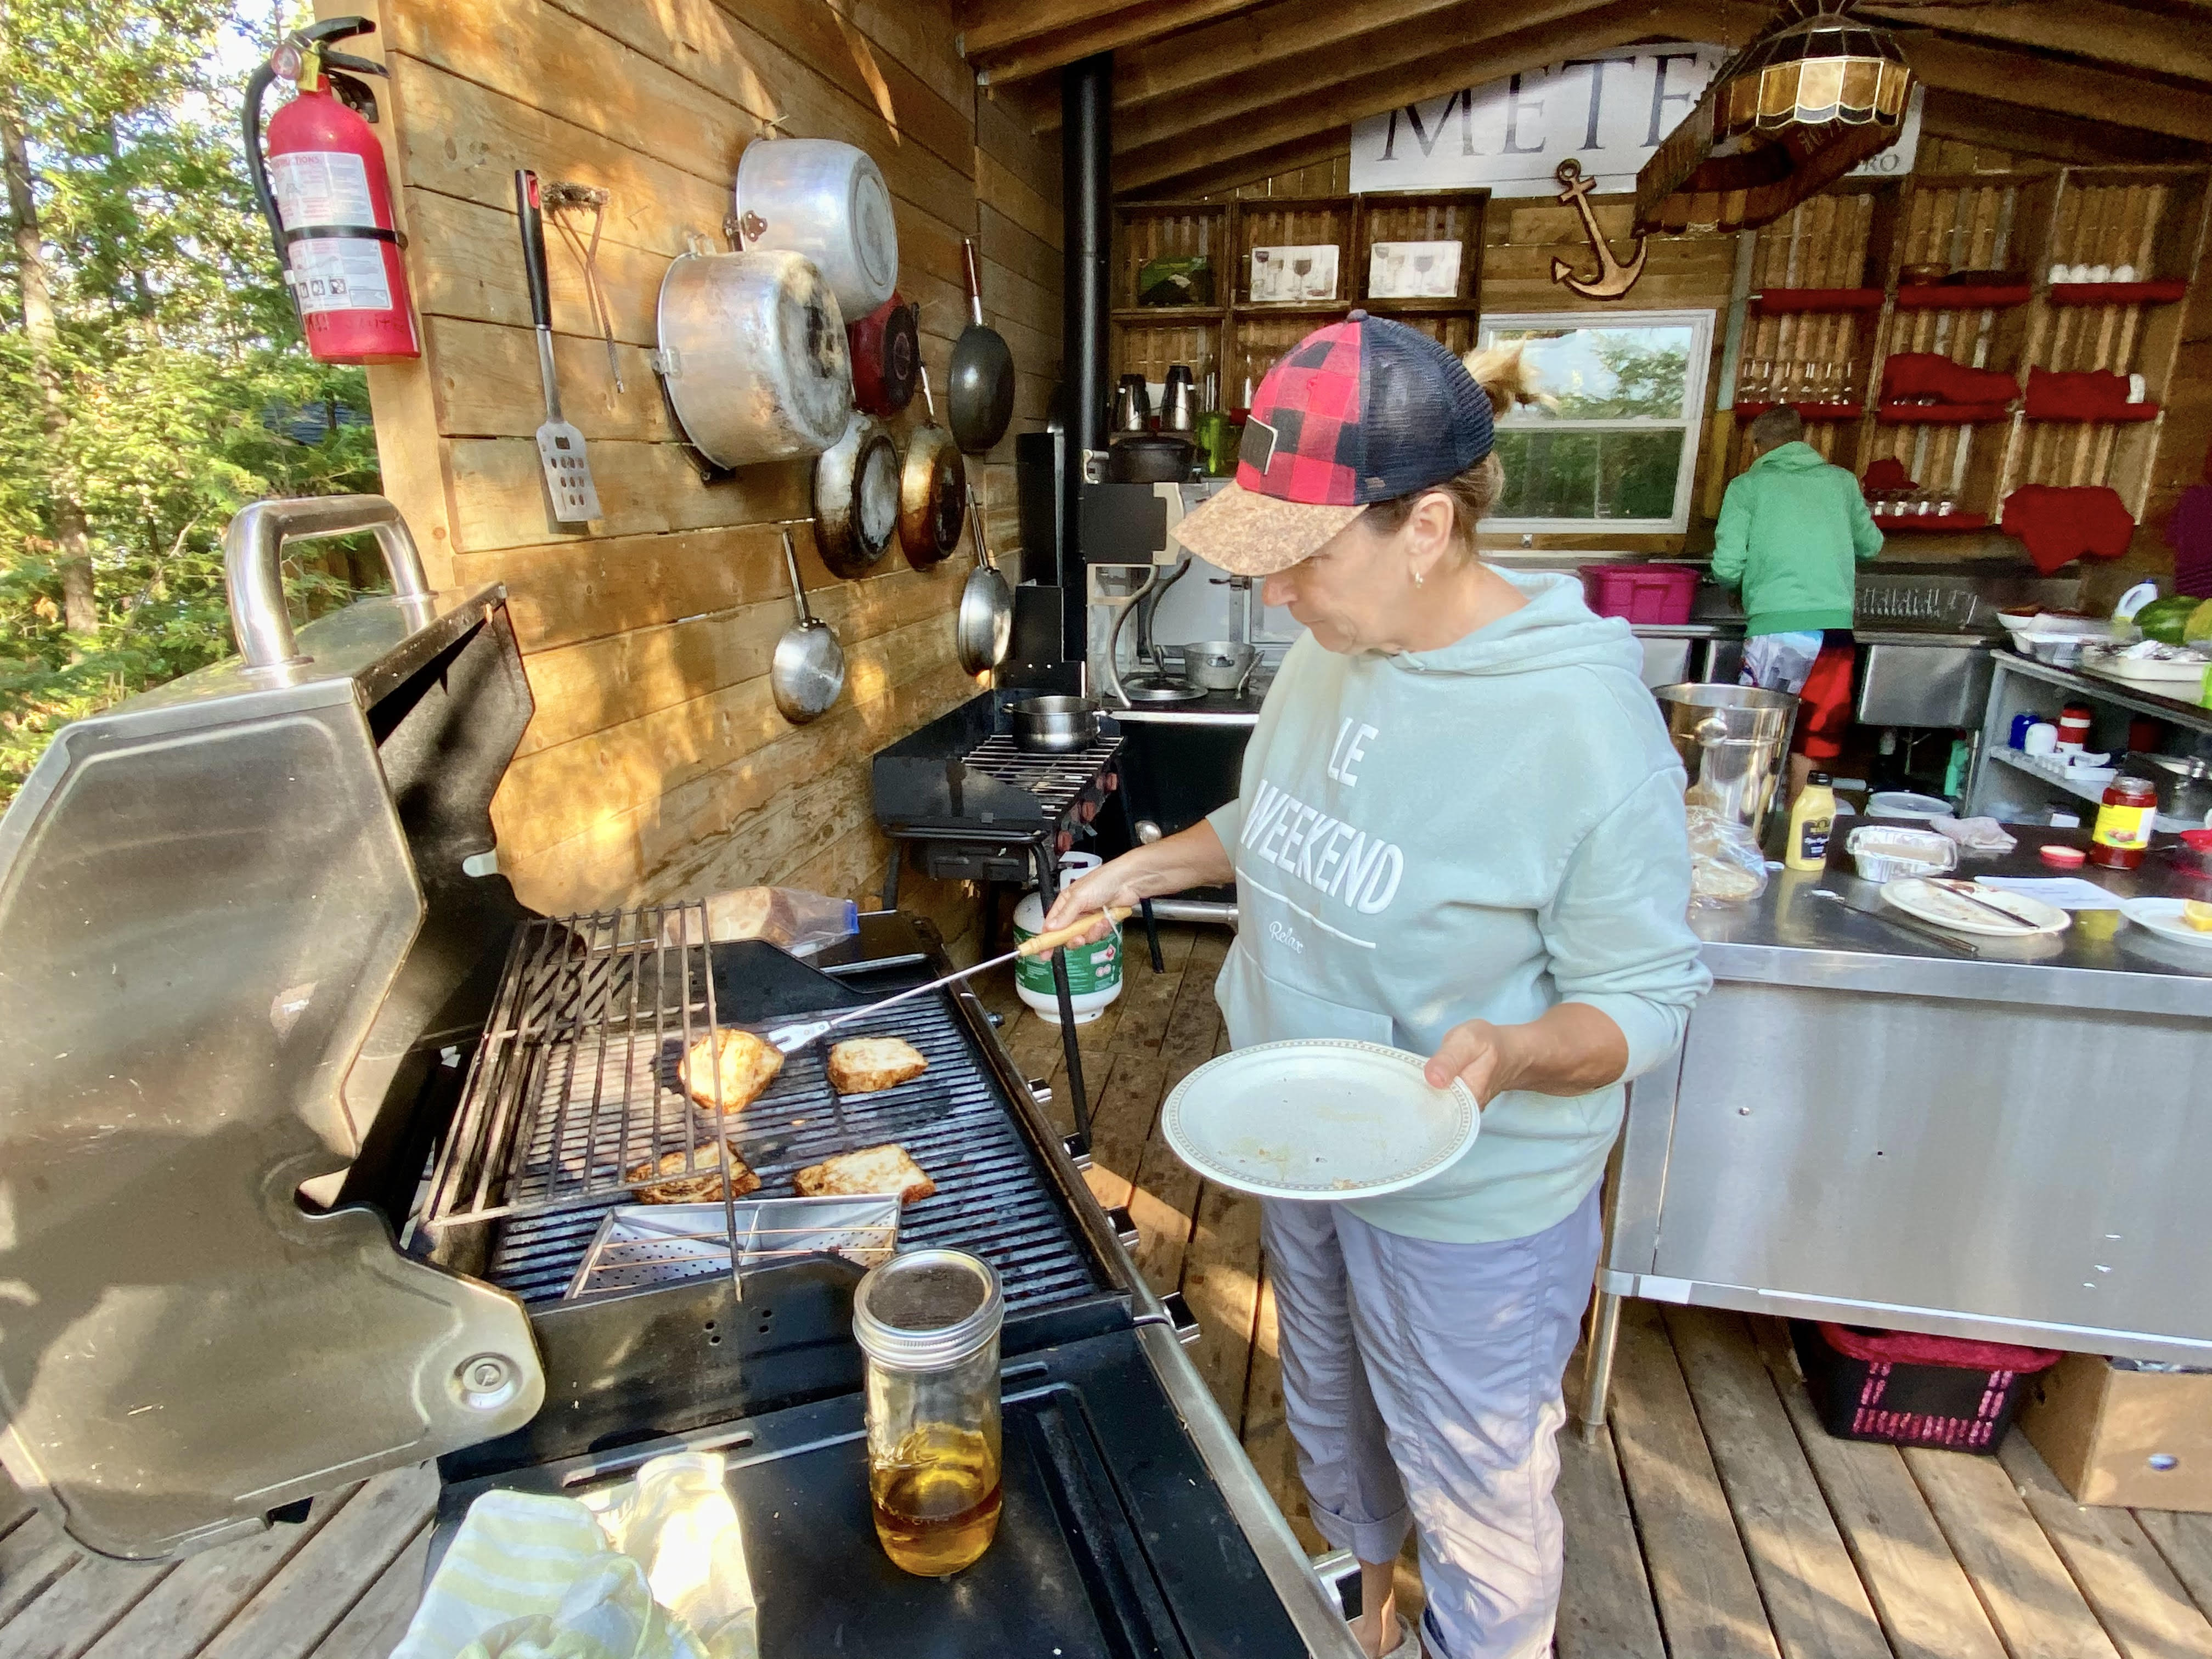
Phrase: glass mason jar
(928,1322)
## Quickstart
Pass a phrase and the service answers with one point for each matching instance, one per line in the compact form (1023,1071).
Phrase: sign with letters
(1608,110)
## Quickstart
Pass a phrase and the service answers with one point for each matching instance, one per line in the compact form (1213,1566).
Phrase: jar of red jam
(2124,823)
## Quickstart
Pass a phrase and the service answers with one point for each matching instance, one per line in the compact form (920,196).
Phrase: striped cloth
(652,1569)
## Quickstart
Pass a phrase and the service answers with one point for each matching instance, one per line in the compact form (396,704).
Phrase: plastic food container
(1653,593)
(1885,854)
(1905,803)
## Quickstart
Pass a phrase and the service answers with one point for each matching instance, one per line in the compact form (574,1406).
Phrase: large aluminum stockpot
(826,201)
(1732,739)
(754,356)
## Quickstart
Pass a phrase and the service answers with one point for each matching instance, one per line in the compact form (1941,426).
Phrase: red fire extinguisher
(325,192)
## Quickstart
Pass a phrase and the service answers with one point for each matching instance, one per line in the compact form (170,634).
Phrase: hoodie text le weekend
(1322,852)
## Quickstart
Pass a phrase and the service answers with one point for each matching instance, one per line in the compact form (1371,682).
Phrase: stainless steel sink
(1922,677)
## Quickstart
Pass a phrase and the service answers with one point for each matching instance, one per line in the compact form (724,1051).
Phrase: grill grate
(581,1055)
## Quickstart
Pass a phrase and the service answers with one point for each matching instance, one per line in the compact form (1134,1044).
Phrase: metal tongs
(789,1039)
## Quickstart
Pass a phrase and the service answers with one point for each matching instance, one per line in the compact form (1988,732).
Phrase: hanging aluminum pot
(754,356)
(827,201)
(856,498)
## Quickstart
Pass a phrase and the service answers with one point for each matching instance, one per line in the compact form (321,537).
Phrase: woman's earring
(1417,578)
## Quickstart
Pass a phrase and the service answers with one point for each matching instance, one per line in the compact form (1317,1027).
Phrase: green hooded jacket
(1792,529)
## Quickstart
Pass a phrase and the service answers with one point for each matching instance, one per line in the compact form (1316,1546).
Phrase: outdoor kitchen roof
(1210,92)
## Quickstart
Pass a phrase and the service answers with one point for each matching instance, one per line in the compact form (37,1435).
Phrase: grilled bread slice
(872,1170)
(860,1066)
(701,1184)
(747,1066)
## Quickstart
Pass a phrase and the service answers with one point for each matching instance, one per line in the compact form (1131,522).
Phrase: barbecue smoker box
(254,953)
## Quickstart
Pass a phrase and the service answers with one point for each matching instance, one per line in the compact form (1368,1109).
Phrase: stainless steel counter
(1864,1127)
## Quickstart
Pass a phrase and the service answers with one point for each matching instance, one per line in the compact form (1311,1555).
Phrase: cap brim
(1248,534)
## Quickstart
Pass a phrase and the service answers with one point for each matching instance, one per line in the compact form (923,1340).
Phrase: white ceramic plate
(2163,917)
(1324,1118)
(1918,896)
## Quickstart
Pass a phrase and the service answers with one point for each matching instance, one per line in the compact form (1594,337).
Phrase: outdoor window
(1620,449)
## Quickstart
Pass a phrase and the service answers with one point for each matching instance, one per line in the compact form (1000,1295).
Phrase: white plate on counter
(1328,1117)
(1916,896)
(2163,917)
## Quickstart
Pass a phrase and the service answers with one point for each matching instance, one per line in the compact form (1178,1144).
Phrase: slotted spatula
(788,1039)
(560,445)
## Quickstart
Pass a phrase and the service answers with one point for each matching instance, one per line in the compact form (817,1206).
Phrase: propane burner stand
(981,808)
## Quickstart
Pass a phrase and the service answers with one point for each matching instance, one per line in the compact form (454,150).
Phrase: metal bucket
(1732,739)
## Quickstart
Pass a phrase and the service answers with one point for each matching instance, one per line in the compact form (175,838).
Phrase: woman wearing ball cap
(1459,832)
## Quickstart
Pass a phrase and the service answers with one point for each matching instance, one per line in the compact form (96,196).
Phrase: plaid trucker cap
(1364,410)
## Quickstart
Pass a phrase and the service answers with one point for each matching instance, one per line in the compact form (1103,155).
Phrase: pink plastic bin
(1641,592)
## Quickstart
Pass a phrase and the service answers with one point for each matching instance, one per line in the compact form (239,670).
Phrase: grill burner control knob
(487,1382)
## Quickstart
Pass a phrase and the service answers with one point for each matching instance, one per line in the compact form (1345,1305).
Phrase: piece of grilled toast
(886,1169)
(860,1066)
(701,1184)
(747,1066)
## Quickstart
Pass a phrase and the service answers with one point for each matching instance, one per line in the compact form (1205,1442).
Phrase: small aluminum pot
(1220,665)
(1054,726)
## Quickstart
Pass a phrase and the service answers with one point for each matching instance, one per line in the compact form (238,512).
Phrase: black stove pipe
(1086,167)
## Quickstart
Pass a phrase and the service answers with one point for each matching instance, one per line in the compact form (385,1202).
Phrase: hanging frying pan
(886,349)
(932,489)
(807,672)
(981,396)
(986,630)
(856,498)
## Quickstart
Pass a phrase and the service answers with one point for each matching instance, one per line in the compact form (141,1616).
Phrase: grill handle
(253,554)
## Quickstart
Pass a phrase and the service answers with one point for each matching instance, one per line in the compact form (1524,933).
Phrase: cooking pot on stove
(1154,457)
(1054,726)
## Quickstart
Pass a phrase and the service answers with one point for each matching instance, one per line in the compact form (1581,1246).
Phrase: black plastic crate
(1905,1390)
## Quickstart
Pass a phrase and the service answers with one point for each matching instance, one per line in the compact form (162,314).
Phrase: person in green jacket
(1793,529)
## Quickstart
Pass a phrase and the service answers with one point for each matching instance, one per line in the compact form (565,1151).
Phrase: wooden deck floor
(1713,1520)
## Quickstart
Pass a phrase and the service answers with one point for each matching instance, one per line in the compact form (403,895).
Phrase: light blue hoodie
(1477,832)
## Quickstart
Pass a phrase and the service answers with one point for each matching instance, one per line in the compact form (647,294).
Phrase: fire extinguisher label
(321,187)
(335,274)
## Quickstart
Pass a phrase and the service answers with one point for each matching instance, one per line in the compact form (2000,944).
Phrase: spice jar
(2074,722)
(928,1322)
(2124,823)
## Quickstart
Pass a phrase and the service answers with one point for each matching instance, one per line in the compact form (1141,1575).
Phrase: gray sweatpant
(1421,1382)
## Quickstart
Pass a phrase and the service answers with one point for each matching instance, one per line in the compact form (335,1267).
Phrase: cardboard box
(2138,1439)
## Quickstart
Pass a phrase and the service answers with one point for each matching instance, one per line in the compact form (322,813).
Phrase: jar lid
(927,1308)
(2136,791)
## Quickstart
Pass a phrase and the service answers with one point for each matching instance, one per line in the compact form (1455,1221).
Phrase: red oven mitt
(2063,525)
(1927,374)
(2077,395)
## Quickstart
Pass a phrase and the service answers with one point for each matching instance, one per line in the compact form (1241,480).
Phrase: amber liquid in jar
(936,1501)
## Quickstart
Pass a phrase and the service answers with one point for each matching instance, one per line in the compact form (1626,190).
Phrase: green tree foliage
(152,377)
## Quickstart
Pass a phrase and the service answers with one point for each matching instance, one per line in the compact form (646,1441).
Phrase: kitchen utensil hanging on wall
(559,199)
(856,497)
(886,349)
(932,489)
(561,454)
(981,396)
(826,202)
(986,630)
(753,356)
(807,673)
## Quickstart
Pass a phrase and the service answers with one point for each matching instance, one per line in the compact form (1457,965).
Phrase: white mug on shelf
(2124,273)
(2061,274)
(2100,273)
(2040,738)
(2138,389)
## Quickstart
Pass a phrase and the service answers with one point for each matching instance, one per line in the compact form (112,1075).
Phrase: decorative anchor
(1614,279)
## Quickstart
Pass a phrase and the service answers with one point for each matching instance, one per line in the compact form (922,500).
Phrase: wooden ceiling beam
(1180,65)
(1108,29)
(1353,87)
(2083,29)
(989,26)
(1469,26)
(1990,124)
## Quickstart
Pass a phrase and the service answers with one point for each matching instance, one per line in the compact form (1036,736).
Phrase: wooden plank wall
(657,765)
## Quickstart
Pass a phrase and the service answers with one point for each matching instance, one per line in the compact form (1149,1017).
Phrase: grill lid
(211,910)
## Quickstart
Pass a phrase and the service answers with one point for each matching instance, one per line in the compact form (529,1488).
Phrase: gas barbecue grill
(306,1128)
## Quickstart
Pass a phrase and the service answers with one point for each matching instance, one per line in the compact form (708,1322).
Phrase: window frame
(1701,323)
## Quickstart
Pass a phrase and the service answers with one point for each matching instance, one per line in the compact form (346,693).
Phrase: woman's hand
(1482,1055)
(1571,1049)
(1119,882)
(1190,857)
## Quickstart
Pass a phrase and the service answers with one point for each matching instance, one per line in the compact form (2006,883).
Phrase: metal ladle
(808,672)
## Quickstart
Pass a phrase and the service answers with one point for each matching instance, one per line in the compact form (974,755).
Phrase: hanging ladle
(808,672)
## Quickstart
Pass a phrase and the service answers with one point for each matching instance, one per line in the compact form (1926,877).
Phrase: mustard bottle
(1812,821)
